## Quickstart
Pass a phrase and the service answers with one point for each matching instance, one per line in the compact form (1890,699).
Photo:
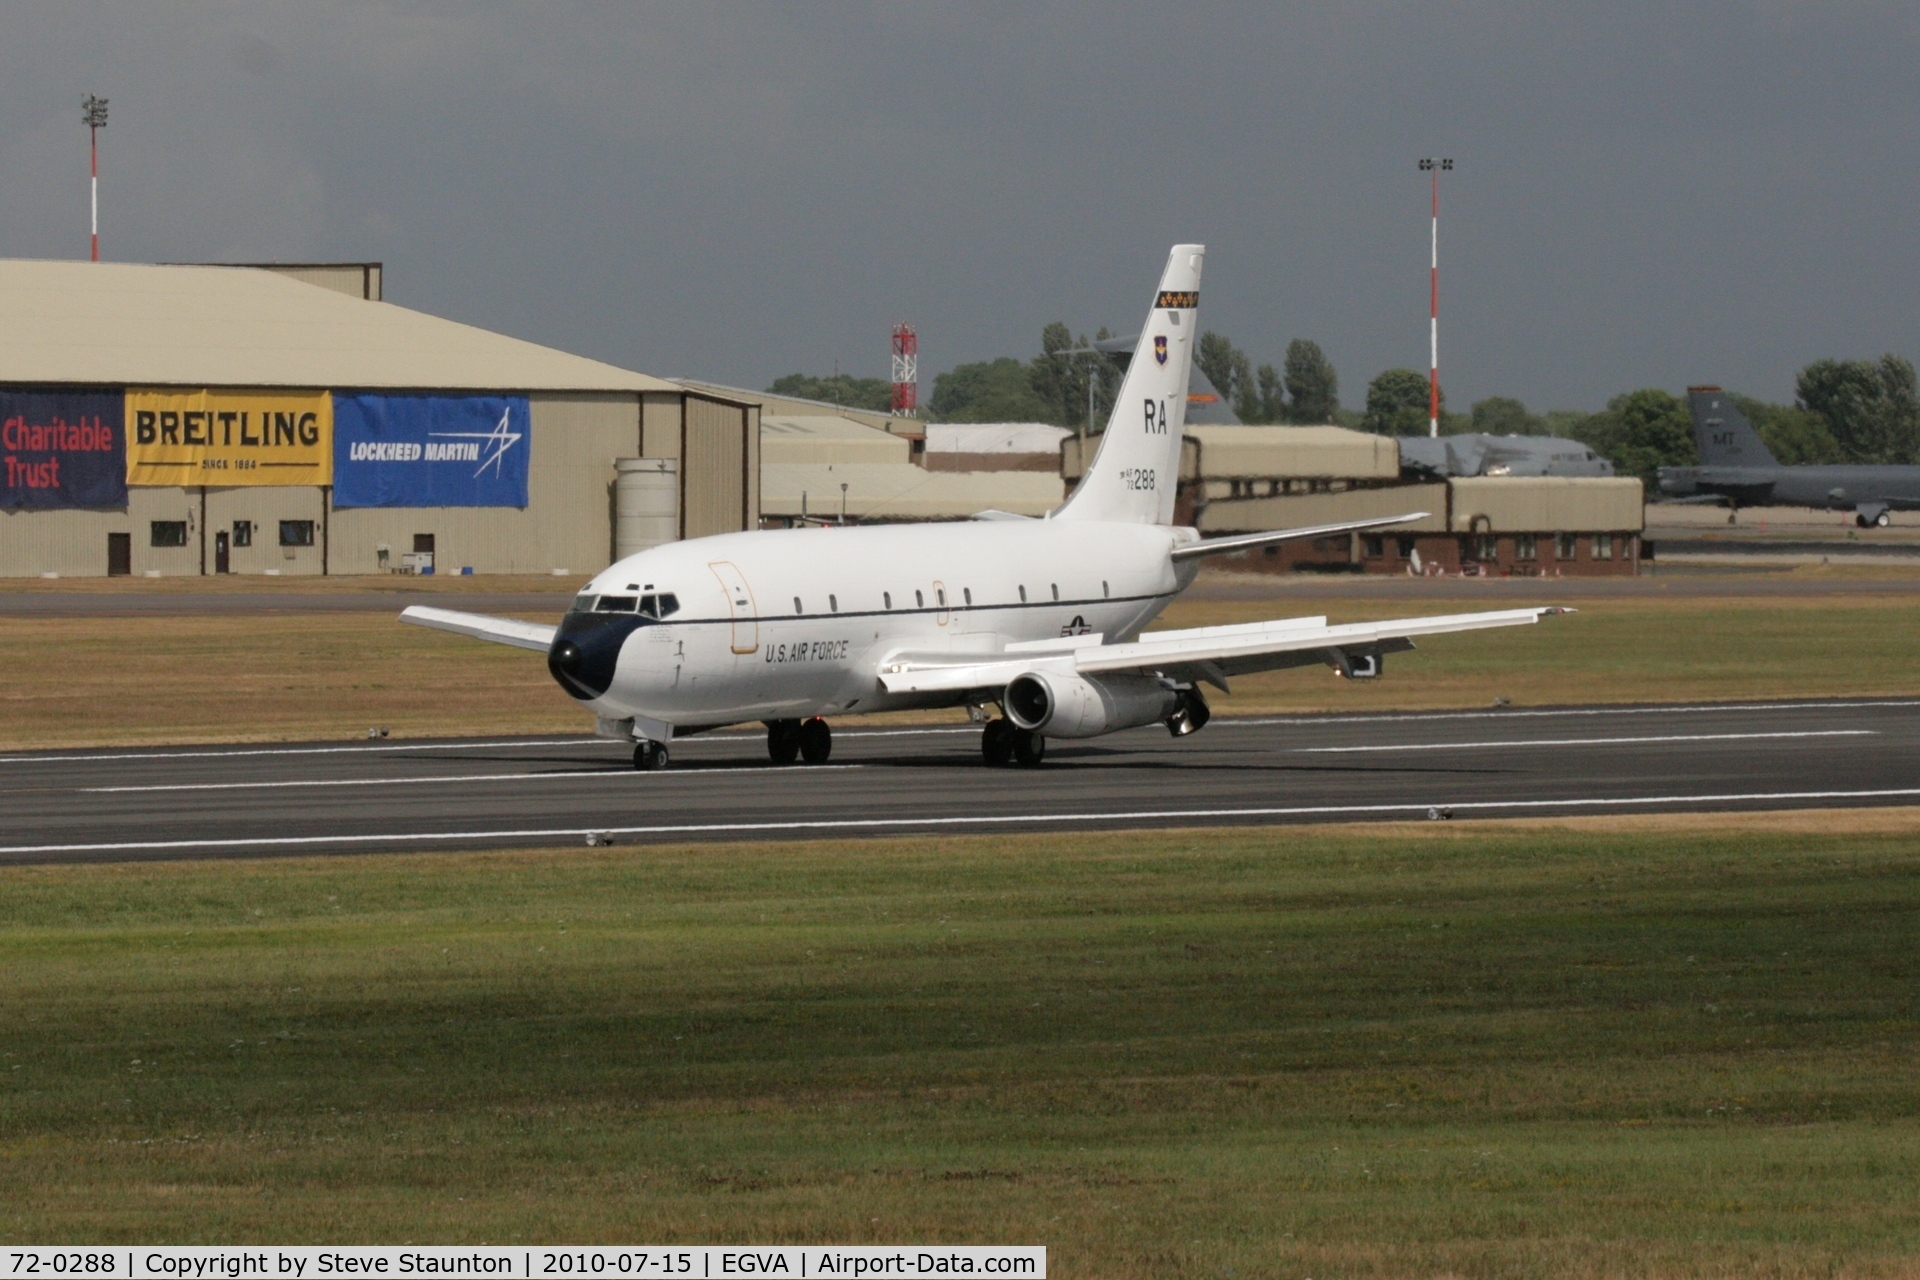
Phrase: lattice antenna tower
(906,372)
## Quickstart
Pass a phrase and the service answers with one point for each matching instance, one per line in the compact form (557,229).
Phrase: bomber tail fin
(1137,467)
(1725,437)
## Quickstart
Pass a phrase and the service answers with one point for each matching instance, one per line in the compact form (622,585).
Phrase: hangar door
(718,465)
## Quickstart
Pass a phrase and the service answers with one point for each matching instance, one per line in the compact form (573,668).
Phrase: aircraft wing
(1202,653)
(1242,541)
(522,635)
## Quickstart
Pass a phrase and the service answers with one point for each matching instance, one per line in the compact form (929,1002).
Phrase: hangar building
(176,420)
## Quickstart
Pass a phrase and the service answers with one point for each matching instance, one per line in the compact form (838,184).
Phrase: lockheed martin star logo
(499,440)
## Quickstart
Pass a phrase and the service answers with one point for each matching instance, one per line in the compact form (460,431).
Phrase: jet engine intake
(1068,706)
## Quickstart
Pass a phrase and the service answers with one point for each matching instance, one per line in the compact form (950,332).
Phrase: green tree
(1313,388)
(1869,407)
(1060,380)
(1397,404)
(1273,395)
(1220,360)
(1794,436)
(840,388)
(989,391)
(1640,432)
(1504,416)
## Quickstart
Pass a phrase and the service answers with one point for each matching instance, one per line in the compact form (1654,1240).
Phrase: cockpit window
(583,603)
(669,605)
(616,604)
(660,606)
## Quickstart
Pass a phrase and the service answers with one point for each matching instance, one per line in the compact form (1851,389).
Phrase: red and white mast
(95,114)
(1433,322)
(906,371)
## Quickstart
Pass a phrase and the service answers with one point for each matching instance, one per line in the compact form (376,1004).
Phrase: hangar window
(168,533)
(296,533)
(1375,547)
(1565,546)
(1524,547)
(1603,546)
(1486,547)
(243,533)
(1405,547)
(616,604)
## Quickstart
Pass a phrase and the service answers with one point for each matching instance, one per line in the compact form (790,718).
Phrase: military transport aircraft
(1041,618)
(1739,470)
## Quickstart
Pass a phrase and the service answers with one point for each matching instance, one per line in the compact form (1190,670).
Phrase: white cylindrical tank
(646,504)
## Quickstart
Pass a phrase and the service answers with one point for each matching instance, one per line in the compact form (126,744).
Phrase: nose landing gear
(649,755)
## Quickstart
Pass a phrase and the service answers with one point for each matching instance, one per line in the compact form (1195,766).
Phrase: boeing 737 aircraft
(1040,618)
(1739,470)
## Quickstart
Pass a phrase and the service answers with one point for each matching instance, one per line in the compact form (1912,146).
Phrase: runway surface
(251,801)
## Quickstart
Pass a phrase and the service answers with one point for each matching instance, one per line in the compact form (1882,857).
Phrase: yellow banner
(229,437)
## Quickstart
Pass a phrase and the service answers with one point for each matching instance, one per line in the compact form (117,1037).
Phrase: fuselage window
(1023,595)
(940,594)
(1056,591)
(833,603)
(616,604)
(919,600)
(967,594)
(796,605)
(1104,591)
(886,598)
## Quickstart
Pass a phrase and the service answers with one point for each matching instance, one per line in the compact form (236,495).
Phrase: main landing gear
(649,755)
(809,740)
(1003,742)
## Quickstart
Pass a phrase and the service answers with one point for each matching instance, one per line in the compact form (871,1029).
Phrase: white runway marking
(1695,708)
(1219,722)
(955,822)
(1589,742)
(431,778)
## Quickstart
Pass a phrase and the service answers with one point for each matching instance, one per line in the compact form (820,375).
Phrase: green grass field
(1651,1047)
(227,677)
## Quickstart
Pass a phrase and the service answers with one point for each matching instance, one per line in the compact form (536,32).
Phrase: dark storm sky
(1646,195)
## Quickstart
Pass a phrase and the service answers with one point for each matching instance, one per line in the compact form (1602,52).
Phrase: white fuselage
(786,624)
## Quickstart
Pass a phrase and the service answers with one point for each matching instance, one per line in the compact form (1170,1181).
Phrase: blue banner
(62,449)
(430,451)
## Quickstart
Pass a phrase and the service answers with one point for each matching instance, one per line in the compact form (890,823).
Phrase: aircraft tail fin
(1137,467)
(1725,437)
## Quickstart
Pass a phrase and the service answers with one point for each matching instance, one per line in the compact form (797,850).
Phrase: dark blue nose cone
(586,649)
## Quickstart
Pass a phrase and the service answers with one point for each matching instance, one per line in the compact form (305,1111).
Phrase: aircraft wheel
(1882,520)
(650,755)
(1028,748)
(783,741)
(996,742)
(816,741)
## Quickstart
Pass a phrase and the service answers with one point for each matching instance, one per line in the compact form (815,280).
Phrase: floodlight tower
(1434,167)
(906,371)
(94,112)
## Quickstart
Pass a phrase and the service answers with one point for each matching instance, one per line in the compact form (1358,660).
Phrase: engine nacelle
(1066,706)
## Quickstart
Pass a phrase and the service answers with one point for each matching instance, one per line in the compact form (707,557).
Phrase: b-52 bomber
(1737,469)
(1042,619)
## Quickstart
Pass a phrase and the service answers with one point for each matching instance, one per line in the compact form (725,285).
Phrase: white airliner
(1042,618)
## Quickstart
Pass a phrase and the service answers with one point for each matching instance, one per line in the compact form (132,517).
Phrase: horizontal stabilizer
(522,635)
(1242,541)
(1210,651)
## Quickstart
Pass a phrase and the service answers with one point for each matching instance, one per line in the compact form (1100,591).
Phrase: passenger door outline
(740,606)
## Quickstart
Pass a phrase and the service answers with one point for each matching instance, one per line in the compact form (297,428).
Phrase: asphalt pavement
(387,796)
